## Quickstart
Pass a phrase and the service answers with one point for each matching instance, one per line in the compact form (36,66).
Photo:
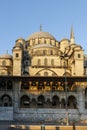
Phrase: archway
(55,101)
(6,100)
(40,100)
(72,102)
(24,101)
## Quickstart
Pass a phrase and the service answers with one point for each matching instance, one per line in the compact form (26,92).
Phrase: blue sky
(20,18)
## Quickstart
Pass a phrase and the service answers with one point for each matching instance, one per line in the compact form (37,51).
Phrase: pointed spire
(72,38)
(40,28)
(6,51)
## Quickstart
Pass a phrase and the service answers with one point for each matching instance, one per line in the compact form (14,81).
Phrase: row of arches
(54,102)
(6,85)
(53,86)
(45,52)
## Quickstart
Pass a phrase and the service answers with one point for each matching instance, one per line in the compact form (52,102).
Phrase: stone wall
(44,115)
(6,113)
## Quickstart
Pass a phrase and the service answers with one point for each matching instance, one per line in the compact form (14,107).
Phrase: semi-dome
(6,56)
(40,35)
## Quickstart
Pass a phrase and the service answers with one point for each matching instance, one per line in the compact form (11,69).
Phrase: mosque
(44,80)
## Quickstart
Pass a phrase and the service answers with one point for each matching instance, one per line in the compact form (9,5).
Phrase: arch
(9,85)
(25,85)
(73,87)
(67,74)
(45,73)
(45,61)
(38,74)
(40,100)
(55,100)
(40,85)
(2,85)
(60,88)
(54,86)
(46,70)
(24,101)
(25,73)
(6,100)
(72,102)
(3,63)
(54,74)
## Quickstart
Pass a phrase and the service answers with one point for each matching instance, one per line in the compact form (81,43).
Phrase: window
(79,56)
(52,62)
(17,55)
(38,62)
(51,52)
(45,62)
(46,73)
(3,63)
(44,52)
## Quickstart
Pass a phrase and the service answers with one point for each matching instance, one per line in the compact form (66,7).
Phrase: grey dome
(40,35)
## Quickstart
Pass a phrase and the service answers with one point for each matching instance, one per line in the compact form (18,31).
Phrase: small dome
(40,35)
(5,56)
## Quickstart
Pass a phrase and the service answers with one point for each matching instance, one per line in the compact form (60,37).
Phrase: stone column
(81,101)
(16,98)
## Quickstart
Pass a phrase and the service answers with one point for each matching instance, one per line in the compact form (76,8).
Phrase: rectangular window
(17,55)
(79,56)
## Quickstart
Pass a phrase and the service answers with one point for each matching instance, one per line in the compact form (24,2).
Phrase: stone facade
(44,80)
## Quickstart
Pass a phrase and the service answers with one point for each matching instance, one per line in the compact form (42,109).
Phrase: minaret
(72,38)
(40,28)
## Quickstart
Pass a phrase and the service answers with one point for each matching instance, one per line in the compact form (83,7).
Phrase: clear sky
(20,18)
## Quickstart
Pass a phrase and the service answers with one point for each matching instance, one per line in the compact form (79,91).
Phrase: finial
(6,51)
(72,38)
(40,28)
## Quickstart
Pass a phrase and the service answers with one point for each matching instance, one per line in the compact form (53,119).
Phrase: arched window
(25,85)
(46,73)
(3,63)
(39,62)
(40,86)
(6,100)
(40,100)
(33,83)
(72,102)
(45,62)
(44,52)
(51,52)
(55,101)
(52,62)
(54,86)
(24,101)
